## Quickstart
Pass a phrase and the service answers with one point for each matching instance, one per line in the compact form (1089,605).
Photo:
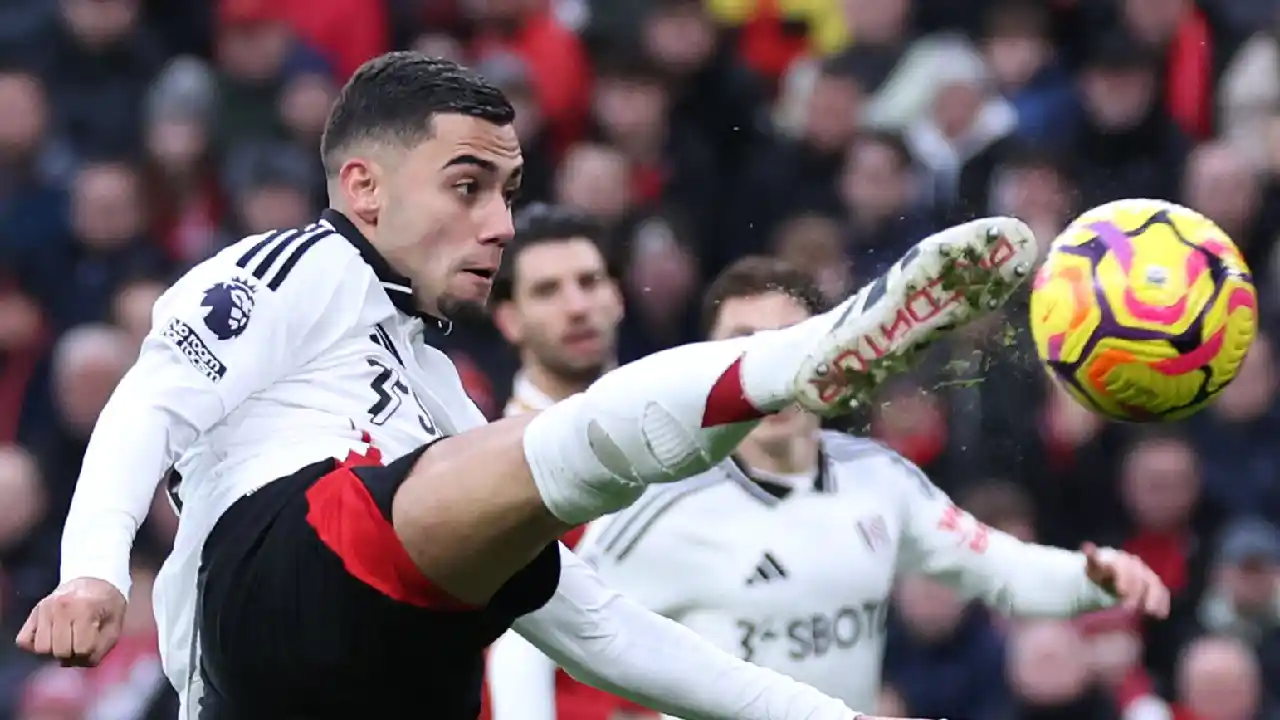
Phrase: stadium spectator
(1127,146)
(1027,69)
(183,195)
(1243,599)
(97,62)
(257,53)
(27,540)
(1221,183)
(1049,675)
(88,361)
(944,653)
(131,306)
(1239,468)
(800,170)
(23,406)
(965,132)
(1161,485)
(558,66)
(1219,679)
(814,242)
(879,191)
(1196,48)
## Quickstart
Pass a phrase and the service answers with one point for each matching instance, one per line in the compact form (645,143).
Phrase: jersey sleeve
(218,335)
(947,543)
(642,551)
(606,640)
(521,677)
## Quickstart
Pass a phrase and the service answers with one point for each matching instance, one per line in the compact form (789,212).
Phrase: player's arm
(218,336)
(1023,579)
(637,552)
(606,640)
(521,677)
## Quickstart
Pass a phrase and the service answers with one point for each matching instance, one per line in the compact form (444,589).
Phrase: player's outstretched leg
(678,412)
(478,506)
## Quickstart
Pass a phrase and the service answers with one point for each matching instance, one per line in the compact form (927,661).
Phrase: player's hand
(1127,578)
(78,623)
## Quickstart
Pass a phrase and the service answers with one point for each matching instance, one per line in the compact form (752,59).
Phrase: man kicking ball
(353,533)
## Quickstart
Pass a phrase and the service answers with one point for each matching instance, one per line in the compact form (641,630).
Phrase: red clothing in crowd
(346,32)
(1164,552)
(559,70)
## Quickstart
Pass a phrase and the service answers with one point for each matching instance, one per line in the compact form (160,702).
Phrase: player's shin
(665,417)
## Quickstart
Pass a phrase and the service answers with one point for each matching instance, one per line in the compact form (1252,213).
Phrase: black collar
(771,492)
(396,285)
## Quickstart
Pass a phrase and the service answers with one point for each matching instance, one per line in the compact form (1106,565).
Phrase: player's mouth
(485,274)
(585,338)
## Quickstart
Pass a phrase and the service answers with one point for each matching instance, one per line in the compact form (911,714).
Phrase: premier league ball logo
(228,307)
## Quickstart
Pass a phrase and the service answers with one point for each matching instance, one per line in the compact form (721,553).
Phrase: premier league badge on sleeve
(228,306)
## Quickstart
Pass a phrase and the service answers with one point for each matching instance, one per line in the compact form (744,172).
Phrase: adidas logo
(767,570)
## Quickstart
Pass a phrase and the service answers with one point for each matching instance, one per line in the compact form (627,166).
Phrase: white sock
(668,416)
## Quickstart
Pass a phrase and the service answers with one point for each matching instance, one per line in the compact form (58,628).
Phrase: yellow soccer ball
(1143,310)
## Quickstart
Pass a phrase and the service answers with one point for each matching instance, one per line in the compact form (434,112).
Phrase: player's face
(445,211)
(748,315)
(565,308)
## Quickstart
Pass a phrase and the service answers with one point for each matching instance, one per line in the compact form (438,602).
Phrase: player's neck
(798,456)
(555,387)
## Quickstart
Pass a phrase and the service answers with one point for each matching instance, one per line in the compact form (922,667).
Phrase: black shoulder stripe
(263,268)
(652,518)
(631,524)
(314,236)
(261,245)
(623,520)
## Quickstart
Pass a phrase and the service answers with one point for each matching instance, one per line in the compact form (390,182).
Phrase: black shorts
(310,608)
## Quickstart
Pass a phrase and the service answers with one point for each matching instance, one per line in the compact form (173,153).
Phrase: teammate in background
(309,579)
(786,554)
(556,302)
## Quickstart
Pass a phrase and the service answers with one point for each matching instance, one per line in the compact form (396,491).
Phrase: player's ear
(507,320)
(358,178)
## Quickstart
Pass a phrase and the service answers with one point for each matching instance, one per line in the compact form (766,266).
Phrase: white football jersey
(801,583)
(282,350)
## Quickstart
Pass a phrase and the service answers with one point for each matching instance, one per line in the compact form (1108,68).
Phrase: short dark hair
(887,139)
(1017,18)
(539,224)
(395,96)
(627,64)
(756,275)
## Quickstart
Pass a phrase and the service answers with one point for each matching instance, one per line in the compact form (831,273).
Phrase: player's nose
(576,301)
(497,226)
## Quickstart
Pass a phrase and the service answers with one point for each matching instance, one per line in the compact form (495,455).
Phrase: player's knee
(619,441)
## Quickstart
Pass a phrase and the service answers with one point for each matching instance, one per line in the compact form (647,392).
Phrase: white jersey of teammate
(282,350)
(801,583)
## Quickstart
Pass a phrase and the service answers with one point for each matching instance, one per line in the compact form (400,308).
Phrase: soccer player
(556,302)
(785,554)
(353,533)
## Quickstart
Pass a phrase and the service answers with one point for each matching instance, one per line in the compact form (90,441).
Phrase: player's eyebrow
(473,160)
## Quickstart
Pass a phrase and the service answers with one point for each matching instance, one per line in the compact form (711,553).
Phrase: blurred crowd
(137,137)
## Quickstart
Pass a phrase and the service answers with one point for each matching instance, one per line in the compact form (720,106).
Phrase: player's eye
(467,188)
